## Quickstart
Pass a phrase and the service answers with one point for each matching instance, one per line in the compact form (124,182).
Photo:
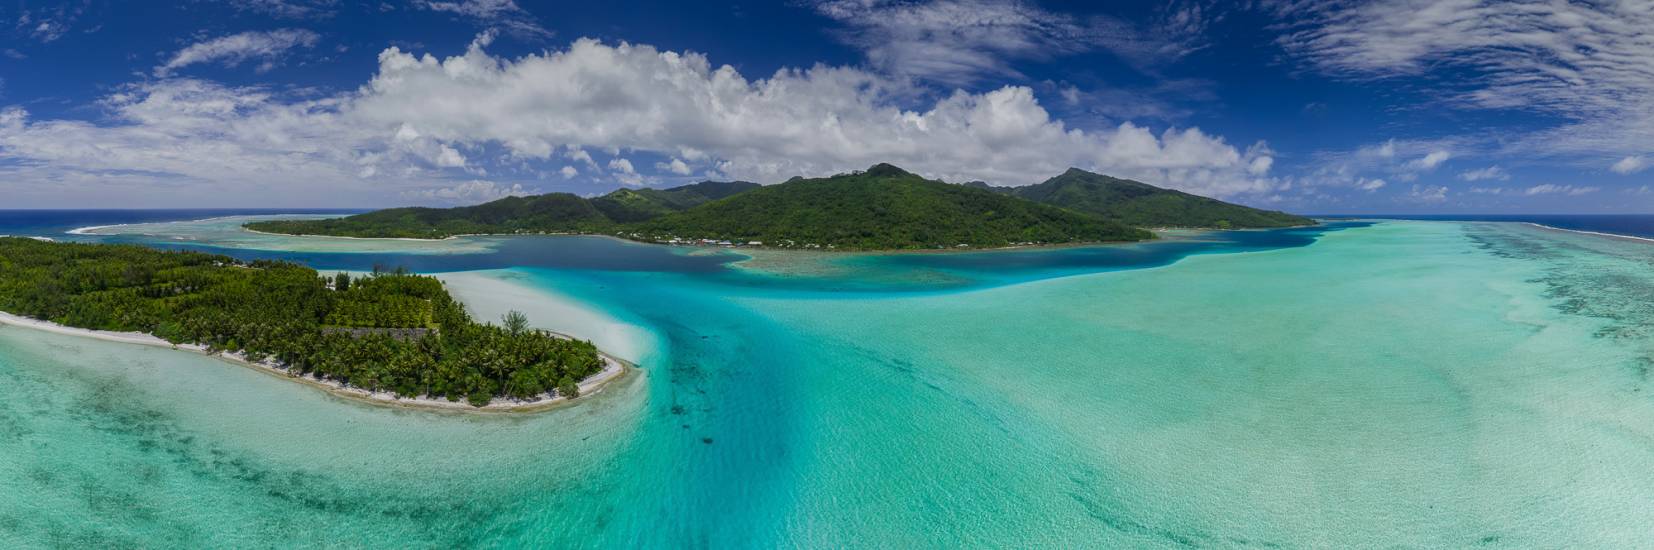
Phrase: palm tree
(515,322)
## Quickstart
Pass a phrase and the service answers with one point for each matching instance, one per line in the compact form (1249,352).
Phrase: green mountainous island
(386,332)
(1143,205)
(548,213)
(882,208)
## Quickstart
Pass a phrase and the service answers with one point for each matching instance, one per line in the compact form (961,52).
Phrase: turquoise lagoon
(1415,384)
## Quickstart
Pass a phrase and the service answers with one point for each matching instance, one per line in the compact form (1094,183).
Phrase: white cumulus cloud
(410,124)
(1630,165)
(1428,194)
(676,166)
(625,173)
(813,122)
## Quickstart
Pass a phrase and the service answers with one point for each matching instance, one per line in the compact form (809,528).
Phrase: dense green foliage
(288,313)
(1143,205)
(635,205)
(881,208)
(549,213)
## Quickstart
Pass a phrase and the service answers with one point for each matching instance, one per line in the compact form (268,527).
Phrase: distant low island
(383,332)
(881,208)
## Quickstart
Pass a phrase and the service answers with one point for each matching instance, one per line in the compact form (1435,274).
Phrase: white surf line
(90,228)
(1597,233)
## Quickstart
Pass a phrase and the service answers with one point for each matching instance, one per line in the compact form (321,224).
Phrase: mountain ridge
(1144,205)
(547,213)
(882,207)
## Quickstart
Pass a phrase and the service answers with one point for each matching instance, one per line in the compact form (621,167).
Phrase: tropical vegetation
(385,331)
(548,213)
(881,208)
(1140,204)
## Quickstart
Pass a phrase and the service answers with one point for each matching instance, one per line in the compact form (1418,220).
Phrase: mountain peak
(886,170)
(1143,205)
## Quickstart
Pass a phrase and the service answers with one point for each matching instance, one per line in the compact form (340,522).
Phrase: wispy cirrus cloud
(1589,63)
(235,49)
(288,9)
(504,15)
(1429,161)
(1554,189)
(958,42)
(48,24)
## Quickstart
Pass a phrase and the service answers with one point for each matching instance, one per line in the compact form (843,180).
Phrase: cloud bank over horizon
(421,121)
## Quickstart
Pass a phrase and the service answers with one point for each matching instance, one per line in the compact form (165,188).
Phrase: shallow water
(227,232)
(1402,384)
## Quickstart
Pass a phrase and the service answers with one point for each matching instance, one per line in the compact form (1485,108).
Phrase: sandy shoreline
(613,369)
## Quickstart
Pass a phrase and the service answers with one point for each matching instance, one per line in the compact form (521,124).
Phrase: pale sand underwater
(1411,384)
(228,232)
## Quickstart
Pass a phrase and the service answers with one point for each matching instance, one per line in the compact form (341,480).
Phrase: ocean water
(1631,225)
(1401,383)
(56,223)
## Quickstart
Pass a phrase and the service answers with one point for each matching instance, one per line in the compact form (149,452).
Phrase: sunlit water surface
(1430,384)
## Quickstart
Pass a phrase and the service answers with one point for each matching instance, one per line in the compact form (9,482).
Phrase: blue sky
(1457,106)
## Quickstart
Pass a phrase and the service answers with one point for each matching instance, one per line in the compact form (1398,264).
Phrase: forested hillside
(1140,204)
(882,208)
(548,213)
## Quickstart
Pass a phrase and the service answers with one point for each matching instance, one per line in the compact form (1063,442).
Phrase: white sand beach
(613,369)
(489,294)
